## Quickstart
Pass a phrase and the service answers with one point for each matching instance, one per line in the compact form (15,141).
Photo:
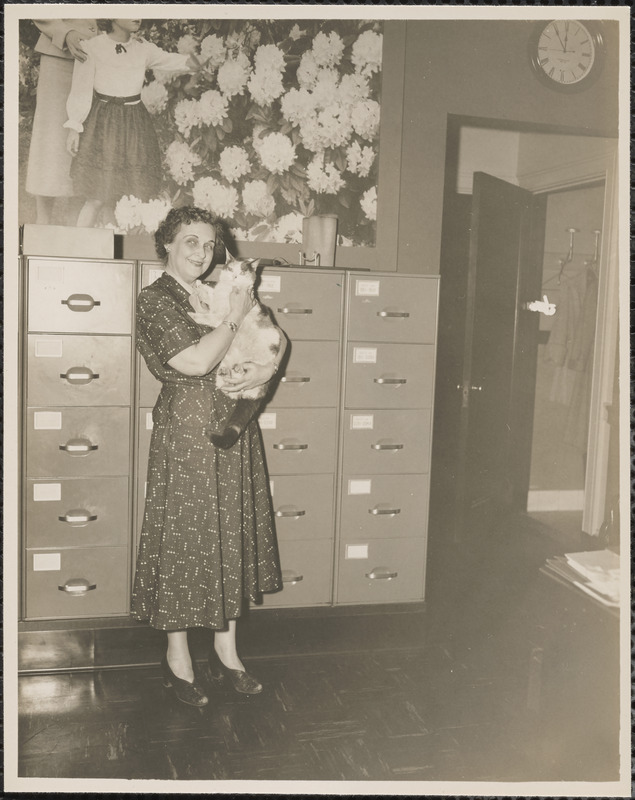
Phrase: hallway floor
(443,694)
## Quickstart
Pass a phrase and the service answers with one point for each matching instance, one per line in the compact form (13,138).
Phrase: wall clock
(567,55)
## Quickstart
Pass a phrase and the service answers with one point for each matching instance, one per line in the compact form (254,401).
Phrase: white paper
(367,288)
(149,422)
(359,486)
(356,551)
(153,274)
(364,355)
(267,421)
(271,487)
(270,283)
(47,562)
(47,420)
(47,492)
(48,348)
(362,422)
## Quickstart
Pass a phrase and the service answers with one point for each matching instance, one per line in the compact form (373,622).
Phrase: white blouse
(118,74)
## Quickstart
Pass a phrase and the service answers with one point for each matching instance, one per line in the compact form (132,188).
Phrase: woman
(208,540)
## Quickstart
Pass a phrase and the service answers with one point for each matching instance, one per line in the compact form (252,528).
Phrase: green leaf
(344,200)
(228,125)
(272,183)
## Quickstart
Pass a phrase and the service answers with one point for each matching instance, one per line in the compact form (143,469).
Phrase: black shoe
(227,438)
(190,693)
(242,681)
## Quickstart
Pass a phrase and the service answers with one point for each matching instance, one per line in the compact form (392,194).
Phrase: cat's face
(239,272)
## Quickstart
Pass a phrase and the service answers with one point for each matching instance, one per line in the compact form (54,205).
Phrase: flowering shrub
(281,122)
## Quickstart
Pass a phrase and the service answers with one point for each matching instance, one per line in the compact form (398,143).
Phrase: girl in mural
(48,171)
(111,137)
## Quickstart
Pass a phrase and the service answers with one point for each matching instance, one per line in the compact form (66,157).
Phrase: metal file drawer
(94,582)
(299,441)
(77,512)
(380,442)
(306,305)
(78,370)
(384,506)
(80,296)
(381,571)
(77,442)
(381,375)
(392,308)
(303,506)
(310,377)
(307,574)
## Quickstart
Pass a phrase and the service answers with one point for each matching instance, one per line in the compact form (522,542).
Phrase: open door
(500,353)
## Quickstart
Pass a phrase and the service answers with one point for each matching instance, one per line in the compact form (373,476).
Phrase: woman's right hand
(241,301)
(72,142)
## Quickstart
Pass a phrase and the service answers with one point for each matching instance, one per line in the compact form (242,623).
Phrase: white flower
(307,70)
(366,54)
(187,114)
(265,87)
(234,163)
(352,88)
(325,87)
(365,118)
(328,49)
(180,161)
(187,44)
(128,213)
(296,105)
(212,107)
(288,229)
(154,97)
(368,203)
(165,76)
(323,178)
(153,213)
(233,75)
(276,152)
(269,58)
(359,159)
(208,193)
(331,127)
(257,199)
(213,51)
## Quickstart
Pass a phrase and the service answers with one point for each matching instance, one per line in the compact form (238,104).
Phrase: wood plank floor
(440,694)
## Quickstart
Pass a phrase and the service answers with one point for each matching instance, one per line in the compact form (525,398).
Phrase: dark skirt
(118,154)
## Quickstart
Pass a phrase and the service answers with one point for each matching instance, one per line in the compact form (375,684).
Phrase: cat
(257,339)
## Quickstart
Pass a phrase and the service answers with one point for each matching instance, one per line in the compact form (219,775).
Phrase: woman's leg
(225,646)
(179,659)
(89,213)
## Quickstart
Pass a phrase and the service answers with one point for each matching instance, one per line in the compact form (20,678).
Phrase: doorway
(556,163)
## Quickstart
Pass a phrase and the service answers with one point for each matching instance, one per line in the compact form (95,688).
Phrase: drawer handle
(77,516)
(382,574)
(282,446)
(391,381)
(291,577)
(79,447)
(393,314)
(291,379)
(384,511)
(296,512)
(77,587)
(80,302)
(79,375)
(287,310)
(387,446)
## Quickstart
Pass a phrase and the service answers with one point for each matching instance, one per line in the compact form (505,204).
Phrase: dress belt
(120,101)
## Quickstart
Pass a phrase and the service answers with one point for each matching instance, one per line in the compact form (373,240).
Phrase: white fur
(257,338)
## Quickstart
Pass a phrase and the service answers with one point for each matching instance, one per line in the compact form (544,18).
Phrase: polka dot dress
(208,539)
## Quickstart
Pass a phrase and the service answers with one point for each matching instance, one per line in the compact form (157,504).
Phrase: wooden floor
(446,693)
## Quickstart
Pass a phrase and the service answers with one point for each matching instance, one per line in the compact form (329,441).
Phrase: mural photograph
(262,122)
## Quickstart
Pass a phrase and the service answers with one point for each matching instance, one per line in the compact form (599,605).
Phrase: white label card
(47,562)
(48,348)
(364,355)
(47,420)
(359,486)
(270,283)
(47,492)
(267,421)
(362,422)
(367,288)
(149,423)
(356,551)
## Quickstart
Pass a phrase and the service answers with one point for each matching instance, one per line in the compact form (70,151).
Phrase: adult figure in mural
(207,541)
(48,171)
(116,152)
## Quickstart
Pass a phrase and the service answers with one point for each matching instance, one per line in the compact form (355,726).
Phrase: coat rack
(569,257)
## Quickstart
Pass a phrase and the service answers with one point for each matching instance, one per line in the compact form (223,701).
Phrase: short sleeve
(163,325)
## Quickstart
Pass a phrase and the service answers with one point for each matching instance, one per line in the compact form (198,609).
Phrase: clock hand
(559,37)
(566,35)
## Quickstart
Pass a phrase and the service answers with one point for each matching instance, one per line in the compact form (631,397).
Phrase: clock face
(566,54)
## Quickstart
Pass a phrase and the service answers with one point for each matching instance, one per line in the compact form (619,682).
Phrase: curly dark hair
(186,215)
(104,25)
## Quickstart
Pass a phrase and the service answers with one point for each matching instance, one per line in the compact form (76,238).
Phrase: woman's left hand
(253,375)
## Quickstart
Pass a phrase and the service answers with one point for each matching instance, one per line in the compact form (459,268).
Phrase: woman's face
(191,251)
(127,25)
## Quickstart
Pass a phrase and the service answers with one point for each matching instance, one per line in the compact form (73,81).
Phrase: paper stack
(599,572)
